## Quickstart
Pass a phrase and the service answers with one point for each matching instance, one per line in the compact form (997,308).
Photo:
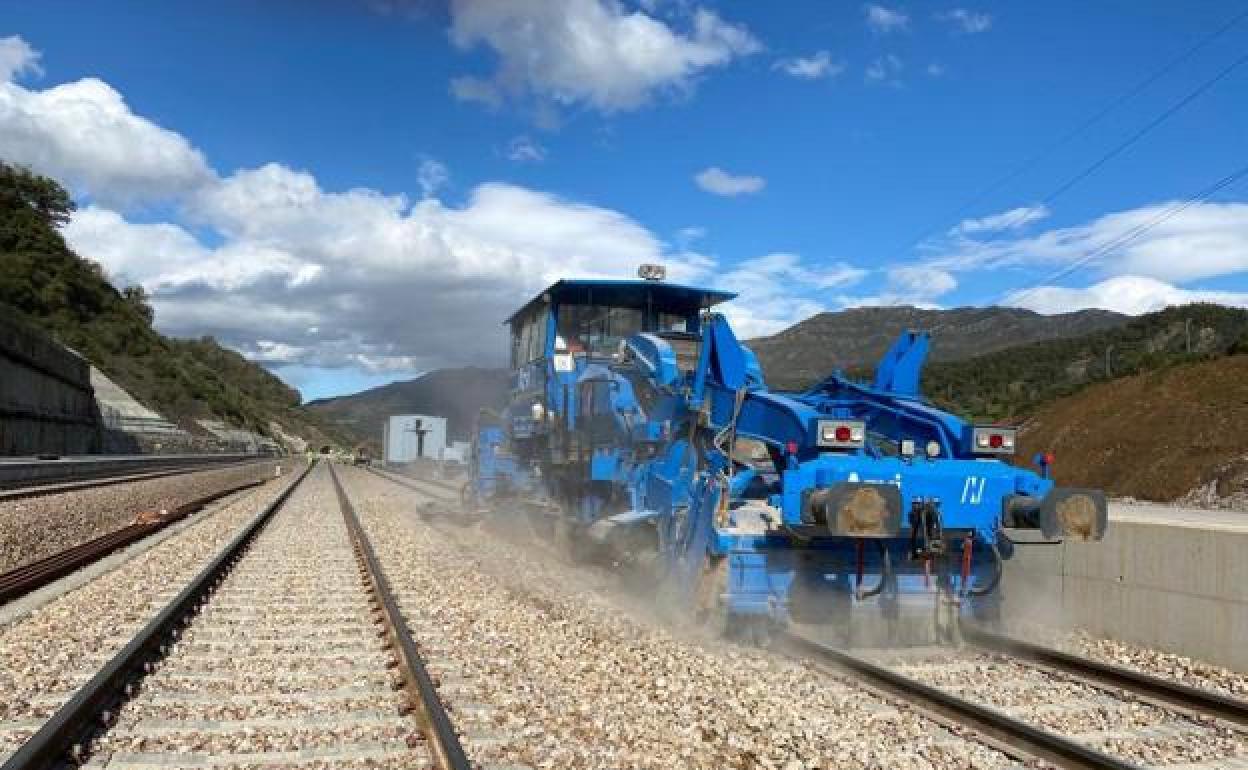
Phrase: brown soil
(1155,436)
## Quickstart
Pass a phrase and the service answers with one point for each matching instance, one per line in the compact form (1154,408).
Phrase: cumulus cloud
(818,65)
(593,52)
(387,284)
(767,300)
(294,275)
(885,20)
(1131,294)
(1014,219)
(716,180)
(85,134)
(968,22)
(17,58)
(523,149)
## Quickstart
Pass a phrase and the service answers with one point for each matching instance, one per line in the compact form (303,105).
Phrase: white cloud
(1177,242)
(818,65)
(1014,219)
(386,284)
(936,69)
(776,291)
(885,69)
(523,149)
(431,176)
(716,180)
(885,20)
(1131,294)
(84,134)
(588,51)
(969,22)
(917,285)
(17,58)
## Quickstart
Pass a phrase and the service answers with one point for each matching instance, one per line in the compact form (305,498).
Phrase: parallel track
(1021,736)
(444,492)
(212,601)
(67,474)
(1164,692)
(30,577)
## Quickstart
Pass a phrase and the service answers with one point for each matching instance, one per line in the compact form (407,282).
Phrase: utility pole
(1109,372)
(1187,331)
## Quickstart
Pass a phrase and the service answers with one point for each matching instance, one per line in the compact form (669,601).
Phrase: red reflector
(995,441)
(792,447)
(1049,458)
(842,433)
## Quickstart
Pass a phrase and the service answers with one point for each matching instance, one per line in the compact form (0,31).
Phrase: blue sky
(353,192)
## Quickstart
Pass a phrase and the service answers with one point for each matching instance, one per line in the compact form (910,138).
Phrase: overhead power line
(1134,234)
(957,213)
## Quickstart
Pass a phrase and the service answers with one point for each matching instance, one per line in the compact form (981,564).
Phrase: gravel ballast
(49,652)
(284,659)
(540,672)
(33,528)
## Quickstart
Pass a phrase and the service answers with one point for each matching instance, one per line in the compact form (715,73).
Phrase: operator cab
(588,319)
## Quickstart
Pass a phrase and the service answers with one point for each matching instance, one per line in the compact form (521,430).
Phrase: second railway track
(285,649)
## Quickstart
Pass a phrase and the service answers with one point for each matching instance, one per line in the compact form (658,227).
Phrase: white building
(409,436)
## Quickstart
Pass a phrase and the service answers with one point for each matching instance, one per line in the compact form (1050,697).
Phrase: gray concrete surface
(1170,578)
(46,402)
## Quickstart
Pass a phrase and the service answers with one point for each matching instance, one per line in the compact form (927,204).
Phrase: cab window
(596,329)
(528,339)
(673,322)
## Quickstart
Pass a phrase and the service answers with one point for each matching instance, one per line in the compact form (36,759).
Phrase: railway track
(1041,704)
(442,492)
(30,478)
(27,578)
(286,647)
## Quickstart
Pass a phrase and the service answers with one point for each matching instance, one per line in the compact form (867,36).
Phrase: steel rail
(53,487)
(447,749)
(1000,727)
(419,485)
(1146,686)
(26,578)
(63,737)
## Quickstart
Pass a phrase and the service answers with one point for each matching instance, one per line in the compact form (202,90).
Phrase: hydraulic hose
(997,569)
(886,572)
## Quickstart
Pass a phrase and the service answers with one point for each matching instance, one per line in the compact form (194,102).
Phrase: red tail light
(993,440)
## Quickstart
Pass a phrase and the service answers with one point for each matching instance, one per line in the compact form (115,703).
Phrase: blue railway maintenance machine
(640,431)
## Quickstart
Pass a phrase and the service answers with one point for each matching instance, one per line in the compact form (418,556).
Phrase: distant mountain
(854,340)
(457,394)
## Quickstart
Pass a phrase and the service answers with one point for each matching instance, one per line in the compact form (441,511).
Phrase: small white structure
(411,436)
(457,452)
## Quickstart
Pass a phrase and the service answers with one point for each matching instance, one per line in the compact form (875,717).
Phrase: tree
(22,188)
(137,298)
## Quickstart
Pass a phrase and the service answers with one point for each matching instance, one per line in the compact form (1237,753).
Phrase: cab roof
(625,292)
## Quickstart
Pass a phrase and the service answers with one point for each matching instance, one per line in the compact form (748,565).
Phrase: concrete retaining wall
(46,401)
(1168,578)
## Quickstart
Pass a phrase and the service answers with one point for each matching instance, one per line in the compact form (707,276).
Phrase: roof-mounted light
(649,272)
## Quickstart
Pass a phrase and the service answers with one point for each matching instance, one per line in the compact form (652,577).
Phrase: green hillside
(1015,382)
(70,297)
